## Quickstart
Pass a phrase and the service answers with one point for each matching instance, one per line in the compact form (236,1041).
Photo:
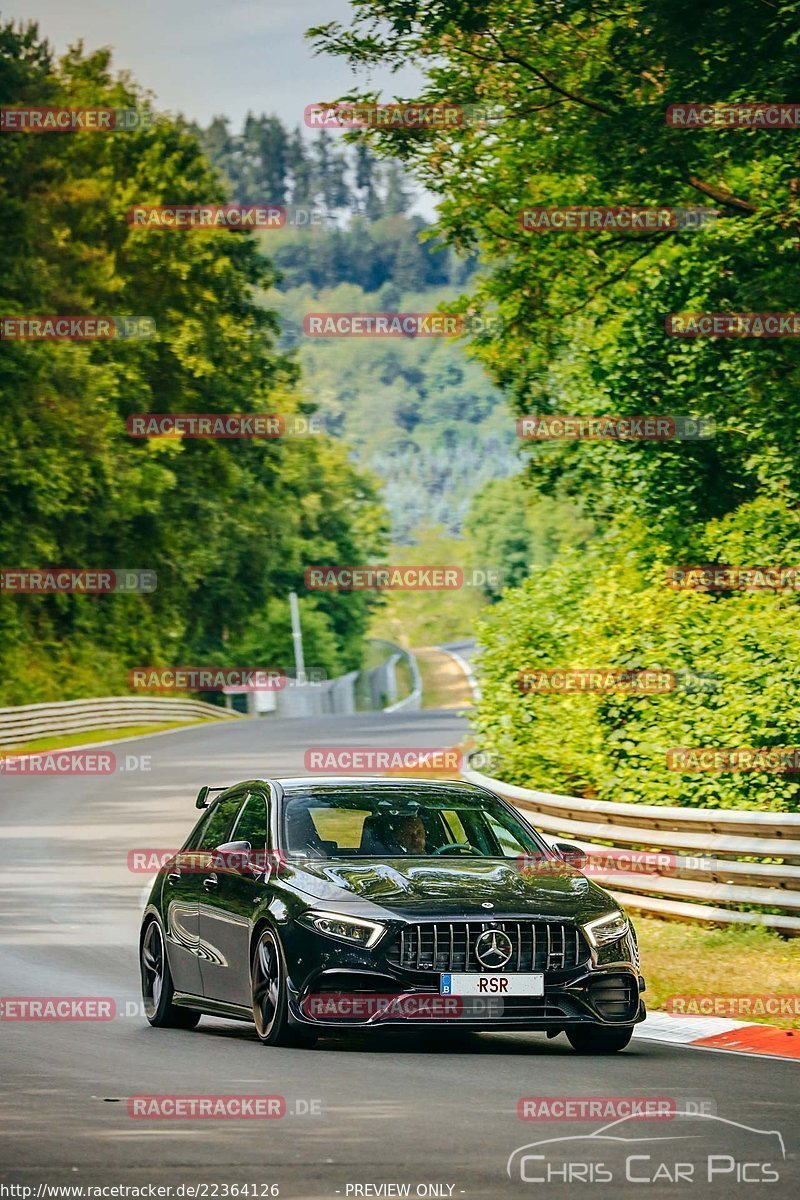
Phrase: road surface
(364,1112)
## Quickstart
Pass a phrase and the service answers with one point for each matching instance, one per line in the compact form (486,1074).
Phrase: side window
(218,824)
(252,825)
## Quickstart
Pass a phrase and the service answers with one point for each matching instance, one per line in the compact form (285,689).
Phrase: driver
(409,833)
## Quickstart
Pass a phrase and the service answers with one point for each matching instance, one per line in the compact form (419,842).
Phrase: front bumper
(335,986)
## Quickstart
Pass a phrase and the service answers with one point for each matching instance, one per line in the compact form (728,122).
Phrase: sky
(209,57)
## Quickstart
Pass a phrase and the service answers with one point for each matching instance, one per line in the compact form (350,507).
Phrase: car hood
(425,887)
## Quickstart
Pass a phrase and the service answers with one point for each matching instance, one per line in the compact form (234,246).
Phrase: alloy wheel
(152,968)
(266,983)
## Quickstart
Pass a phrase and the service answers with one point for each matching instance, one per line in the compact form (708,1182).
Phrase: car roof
(288,784)
(283,787)
(296,782)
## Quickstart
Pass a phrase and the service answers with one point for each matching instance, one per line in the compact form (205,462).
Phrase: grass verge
(444,684)
(680,959)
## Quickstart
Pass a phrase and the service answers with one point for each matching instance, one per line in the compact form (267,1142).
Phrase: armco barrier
(413,701)
(28,722)
(720,874)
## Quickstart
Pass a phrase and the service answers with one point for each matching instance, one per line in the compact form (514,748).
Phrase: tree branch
(721,196)
(609,279)
(575,96)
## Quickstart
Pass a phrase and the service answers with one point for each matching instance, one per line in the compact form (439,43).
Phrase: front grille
(450,946)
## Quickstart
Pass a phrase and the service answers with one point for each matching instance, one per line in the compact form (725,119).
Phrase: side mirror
(573,856)
(235,856)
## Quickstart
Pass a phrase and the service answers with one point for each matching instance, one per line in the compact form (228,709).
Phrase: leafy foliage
(582,92)
(228,526)
(736,659)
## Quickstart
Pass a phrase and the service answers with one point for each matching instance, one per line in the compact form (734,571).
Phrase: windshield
(364,822)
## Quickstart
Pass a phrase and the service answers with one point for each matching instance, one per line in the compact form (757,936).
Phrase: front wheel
(157,988)
(270,1004)
(599,1039)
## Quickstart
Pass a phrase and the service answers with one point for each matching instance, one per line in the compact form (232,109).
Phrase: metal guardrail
(719,862)
(413,701)
(29,722)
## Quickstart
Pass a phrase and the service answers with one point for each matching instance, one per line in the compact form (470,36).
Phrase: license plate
(452,984)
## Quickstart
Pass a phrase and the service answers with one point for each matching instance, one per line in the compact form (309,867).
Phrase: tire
(268,987)
(157,988)
(599,1039)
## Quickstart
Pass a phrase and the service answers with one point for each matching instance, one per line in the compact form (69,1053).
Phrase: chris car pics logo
(694,1148)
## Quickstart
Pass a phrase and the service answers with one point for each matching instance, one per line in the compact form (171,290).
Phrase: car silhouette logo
(611,1137)
(493,948)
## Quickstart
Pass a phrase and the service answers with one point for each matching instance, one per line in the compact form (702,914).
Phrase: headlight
(348,929)
(606,929)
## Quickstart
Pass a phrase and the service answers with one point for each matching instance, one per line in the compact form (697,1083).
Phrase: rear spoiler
(202,795)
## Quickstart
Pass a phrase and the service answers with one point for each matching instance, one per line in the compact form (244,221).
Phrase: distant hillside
(419,413)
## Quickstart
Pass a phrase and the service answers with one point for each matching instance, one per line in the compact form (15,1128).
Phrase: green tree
(581,96)
(227,526)
(573,101)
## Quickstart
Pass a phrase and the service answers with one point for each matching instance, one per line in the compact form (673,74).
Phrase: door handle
(210,882)
(173,877)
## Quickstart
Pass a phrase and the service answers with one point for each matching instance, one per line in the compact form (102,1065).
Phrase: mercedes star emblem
(493,948)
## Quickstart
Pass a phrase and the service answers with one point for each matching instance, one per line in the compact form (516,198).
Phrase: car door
(183,890)
(229,898)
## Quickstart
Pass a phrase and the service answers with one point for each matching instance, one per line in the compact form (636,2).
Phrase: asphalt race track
(362,1113)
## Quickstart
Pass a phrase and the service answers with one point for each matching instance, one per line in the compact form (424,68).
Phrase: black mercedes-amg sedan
(313,906)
